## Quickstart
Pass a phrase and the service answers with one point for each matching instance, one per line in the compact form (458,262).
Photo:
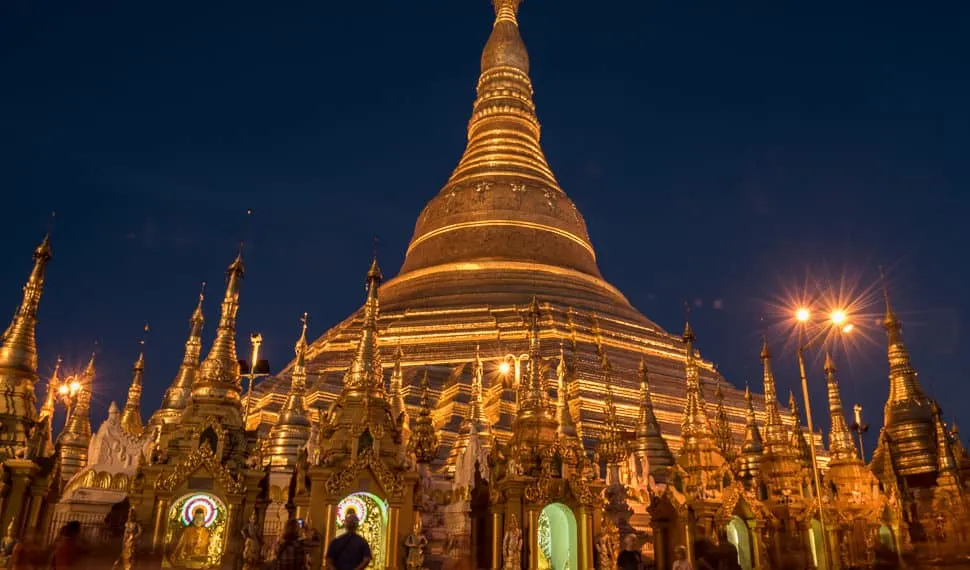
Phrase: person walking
(348,551)
(291,552)
(630,557)
(681,563)
(67,548)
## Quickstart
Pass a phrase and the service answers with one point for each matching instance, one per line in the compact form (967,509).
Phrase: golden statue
(512,546)
(252,544)
(193,545)
(415,544)
(129,543)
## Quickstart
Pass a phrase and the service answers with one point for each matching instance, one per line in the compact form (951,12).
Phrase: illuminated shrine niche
(557,538)
(372,513)
(195,534)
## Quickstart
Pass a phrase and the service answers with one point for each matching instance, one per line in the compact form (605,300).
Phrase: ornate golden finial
(695,424)
(476,413)
(567,426)
(366,372)
(79,422)
(503,133)
(131,416)
(292,430)
(752,436)
(50,398)
(650,443)
(532,393)
(18,356)
(947,467)
(176,397)
(798,440)
(398,408)
(610,446)
(776,436)
(841,446)
(722,425)
(218,376)
(424,438)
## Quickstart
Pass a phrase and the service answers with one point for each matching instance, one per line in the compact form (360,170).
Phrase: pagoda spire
(503,133)
(398,408)
(841,446)
(776,436)
(650,444)
(176,397)
(476,413)
(424,438)
(948,469)
(695,424)
(798,440)
(131,415)
(753,447)
(903,382)
(218,377)
(47,409)
(18,359)
(532,394)
(722,425)
(610,447)
(366,372)
(908,418)
(292,430)
(566,425)
(76,436)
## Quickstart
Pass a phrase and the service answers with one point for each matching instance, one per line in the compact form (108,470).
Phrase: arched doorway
(372,513)
(195,532)
(815,540)
(886,537)
(739,535)
(557,538)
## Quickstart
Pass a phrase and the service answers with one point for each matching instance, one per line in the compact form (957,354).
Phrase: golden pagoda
(498,233)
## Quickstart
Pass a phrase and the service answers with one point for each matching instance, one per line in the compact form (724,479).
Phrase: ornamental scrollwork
(201,457)
(393,483)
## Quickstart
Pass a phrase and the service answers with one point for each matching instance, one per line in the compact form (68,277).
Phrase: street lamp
(839,320)
(253,369)
(860,428)
(509,363)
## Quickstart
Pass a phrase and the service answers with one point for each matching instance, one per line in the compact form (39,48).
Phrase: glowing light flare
(848,328)
(803,314)
(63,389)
(839,318)
(504,368)
(75,387)
(197,503)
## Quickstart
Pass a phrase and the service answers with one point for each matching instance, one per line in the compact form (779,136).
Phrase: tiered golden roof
(749,461)
(649,442)
(218,378)
(424,440)
(722,425)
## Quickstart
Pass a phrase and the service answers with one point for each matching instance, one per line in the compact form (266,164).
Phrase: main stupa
(500,232)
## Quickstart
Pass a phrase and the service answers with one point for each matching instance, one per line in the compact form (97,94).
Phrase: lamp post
(840,322)
(860,428)
(253,369)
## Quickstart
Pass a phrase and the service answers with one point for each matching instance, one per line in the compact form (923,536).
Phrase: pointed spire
(753,444)
(398,408)
(610,447)
(650,443)
(76,435)
(292,430)
(50,398)
(532,394)
(476,413)
(798,440)
(903,382)
(722,425)
(18,356)
(424,438)
(567,426)
(218,375)
(177,395)
(695,424)
(776,436)
(841,446)
(366,372)
(948,470)
(503,133)
(131,416)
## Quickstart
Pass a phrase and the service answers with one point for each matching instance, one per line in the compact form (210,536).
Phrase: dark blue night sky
(720,152)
